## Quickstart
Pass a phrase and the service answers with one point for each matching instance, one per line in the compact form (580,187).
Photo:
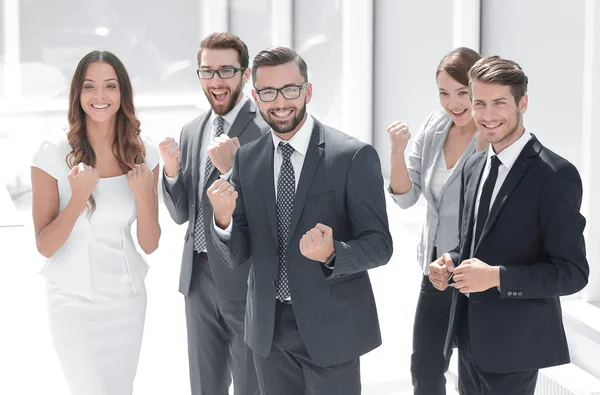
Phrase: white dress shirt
(507,157)
(300,142)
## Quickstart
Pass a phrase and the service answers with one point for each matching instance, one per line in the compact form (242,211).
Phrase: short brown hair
(495,70)
(457,64)
(276,56)
(226,41)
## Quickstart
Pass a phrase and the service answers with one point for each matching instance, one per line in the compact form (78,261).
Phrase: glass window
(318,39)
(155,40)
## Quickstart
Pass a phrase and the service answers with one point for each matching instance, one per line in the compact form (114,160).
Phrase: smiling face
(100,96)
(285,116)
(454,98)
(496,114)
(222,94)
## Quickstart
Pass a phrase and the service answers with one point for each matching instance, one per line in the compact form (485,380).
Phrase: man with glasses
(215,295)
(306,203)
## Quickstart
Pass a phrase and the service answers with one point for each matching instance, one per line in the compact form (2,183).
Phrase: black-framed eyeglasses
(224,73)
(290,92)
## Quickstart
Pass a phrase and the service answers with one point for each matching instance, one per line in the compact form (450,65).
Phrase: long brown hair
(127,146)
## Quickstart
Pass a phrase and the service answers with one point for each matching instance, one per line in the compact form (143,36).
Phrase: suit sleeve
(235,251)
(455,252)
(371,244)
(175,196)
(415,162)
(566,269)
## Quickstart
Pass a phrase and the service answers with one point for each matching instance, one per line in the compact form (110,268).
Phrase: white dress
(95,289)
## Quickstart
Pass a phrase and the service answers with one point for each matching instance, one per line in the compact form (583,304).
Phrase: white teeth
(458,112)
(283,113)
(491,126)
(100,106)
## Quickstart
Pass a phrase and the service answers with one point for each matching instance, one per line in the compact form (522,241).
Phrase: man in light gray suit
(310,215)
(215,295)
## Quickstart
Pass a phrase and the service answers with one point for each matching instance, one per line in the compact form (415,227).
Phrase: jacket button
(509,293)
(520,293)
(276,251)
(274,283)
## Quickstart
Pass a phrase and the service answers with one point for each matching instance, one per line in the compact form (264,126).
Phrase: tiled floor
(27,361)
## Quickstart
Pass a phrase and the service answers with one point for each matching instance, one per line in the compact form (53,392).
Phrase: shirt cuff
(227,175)
(170,180)
(223,234)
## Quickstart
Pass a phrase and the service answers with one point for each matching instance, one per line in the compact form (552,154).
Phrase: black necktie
(286,192)
(486,197)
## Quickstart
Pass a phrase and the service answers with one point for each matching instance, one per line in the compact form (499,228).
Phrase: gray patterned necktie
(199,236)
(286,192)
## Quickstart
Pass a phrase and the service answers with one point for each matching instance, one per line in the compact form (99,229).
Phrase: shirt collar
(509,155)
(231,115)
(301,139)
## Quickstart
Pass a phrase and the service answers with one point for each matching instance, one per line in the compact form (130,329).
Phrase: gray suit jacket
(181,199)
(340,186)
(440,228)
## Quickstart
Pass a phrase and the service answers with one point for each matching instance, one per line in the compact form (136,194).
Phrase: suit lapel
(470,199)
(437,147)
(311,163)
(196,147)
(246,114)
(515,174)
(264,180)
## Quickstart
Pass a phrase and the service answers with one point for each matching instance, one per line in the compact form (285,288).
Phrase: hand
(474,275)
(169,150)
(83,180)
(222,151)
(399,136)
(440,270)
(222,196)
(317,243)
(141,180)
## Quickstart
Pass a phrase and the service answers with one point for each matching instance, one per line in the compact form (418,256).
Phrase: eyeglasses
(290,92)
(224,73)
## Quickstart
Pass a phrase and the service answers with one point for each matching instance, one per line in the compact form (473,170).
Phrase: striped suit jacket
(341,186)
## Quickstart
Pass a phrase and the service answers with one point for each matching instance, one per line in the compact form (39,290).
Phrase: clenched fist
(169,150)
(141,180)
(399,136)
(222,151)
(317,243)
(83,180)
(440,271)
(222,196)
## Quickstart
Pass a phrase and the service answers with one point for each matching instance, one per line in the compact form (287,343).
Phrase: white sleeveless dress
(95,290)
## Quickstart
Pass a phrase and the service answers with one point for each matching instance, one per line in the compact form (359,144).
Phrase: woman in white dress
(88,189)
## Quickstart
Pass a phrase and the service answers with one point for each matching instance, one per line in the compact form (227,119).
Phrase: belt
(288,301)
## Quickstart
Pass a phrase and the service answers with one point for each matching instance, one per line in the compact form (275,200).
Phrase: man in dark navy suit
(521,245)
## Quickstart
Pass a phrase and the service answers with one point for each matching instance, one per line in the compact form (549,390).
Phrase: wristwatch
(330,262)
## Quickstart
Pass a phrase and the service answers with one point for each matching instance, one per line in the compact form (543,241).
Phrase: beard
(225,108)
(284,127)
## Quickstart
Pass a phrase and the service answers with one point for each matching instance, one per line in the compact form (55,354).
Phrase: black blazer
(181,199)
(340,186)
(534,232)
